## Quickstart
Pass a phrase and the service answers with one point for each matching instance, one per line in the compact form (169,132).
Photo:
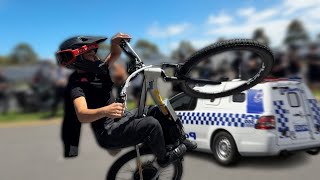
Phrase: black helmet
(71,50)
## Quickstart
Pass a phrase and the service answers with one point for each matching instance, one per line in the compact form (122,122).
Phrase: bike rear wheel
(126,167)
(191,84)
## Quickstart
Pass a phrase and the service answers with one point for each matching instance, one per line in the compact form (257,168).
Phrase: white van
(274,117)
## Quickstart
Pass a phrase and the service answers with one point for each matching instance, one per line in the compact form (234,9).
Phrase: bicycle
(183,74)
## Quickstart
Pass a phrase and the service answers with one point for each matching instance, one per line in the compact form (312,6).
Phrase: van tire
(224,149)
(314,151)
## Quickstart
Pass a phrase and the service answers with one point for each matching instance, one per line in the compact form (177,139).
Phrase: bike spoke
(129,168)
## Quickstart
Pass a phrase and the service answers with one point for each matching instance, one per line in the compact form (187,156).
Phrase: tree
(3,60)
(296,33)
(260,36)
(23,54)
(146,49)
(184,50)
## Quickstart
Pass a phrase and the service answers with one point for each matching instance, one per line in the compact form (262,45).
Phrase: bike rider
(88,99)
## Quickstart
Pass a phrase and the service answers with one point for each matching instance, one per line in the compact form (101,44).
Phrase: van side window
(239,98)
(183,102)
(293,99)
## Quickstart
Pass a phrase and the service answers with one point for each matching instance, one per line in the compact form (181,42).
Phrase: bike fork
(139,164)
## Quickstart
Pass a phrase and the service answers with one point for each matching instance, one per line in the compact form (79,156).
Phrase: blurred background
(31,84)
(163,32)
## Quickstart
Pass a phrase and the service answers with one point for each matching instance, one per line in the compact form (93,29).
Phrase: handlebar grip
(119,100)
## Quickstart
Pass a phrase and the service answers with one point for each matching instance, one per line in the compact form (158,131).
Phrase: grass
(23,117)
(316,93)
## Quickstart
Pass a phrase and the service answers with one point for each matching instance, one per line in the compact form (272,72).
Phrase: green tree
(184,50)
(296,33)
(146,49)
(23,54)
(3,60)
(260,36)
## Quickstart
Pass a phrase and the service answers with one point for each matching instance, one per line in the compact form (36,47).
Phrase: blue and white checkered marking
(315,111)
(218,119)
(281,115)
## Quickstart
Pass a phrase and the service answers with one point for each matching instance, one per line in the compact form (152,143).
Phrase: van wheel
(313,151)
(224,149)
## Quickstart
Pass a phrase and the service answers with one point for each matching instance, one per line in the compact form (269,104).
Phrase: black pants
(155,130)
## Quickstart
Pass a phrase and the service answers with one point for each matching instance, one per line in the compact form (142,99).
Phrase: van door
(298,120)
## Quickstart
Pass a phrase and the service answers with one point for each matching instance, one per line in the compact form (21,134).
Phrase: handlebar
(126,47)
(135,62)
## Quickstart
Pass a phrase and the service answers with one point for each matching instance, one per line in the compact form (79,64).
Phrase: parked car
(274,117)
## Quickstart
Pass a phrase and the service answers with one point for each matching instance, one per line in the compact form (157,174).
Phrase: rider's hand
(115,48)
(116,39)
(114,110)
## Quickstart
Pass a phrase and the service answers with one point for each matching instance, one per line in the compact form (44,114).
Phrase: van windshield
(183,102)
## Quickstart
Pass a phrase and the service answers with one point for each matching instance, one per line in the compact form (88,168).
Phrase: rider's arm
(86,115)
(115,48)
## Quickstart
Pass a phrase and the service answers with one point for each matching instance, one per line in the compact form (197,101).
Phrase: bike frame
(151,74)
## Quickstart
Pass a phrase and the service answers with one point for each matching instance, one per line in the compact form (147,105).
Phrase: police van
(274,117)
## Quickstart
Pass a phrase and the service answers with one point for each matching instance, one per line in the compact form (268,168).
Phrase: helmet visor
(68,56)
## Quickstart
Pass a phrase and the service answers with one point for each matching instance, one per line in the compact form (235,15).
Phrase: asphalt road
(35,152)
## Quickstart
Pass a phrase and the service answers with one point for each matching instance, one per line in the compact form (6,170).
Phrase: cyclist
(88,99)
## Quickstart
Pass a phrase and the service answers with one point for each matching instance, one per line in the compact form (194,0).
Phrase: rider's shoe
(191,145)
(173,156)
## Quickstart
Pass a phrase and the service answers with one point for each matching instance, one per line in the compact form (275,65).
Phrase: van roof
(235,82)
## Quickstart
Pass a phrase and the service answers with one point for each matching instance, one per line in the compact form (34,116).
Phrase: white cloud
(275,29)
(241,23)
(274,20)
(164,32)
(202,43)
(220,19)
(293,6)
(246,12)
(313,13)
(263,15)
(251,14)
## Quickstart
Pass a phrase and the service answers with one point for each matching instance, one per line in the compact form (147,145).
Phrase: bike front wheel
(225,68)
(126,167)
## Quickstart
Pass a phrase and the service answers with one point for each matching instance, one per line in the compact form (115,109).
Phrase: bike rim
(214,66)
(223,149)
(150,170)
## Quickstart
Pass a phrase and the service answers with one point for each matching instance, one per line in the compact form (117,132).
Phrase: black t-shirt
(97,90)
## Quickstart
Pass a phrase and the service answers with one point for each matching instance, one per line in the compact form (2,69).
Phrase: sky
(45,24)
